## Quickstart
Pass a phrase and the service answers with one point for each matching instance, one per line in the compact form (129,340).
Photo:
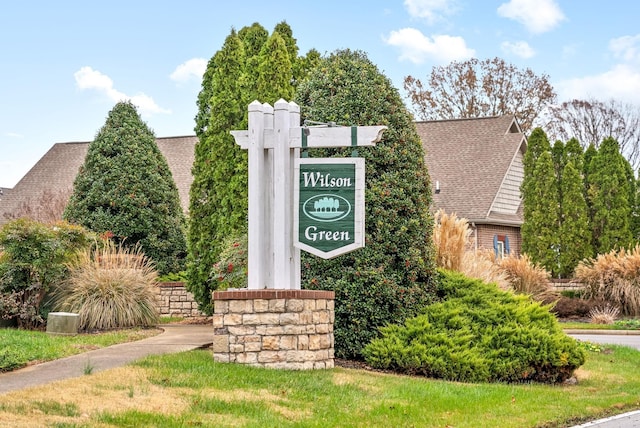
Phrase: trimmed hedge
(478,334)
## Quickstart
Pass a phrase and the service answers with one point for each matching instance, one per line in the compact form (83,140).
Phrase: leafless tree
(475,88)
(591,121)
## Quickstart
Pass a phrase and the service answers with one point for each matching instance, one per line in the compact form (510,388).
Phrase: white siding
(508,198)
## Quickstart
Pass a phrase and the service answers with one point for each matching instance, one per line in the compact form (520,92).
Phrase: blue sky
(66,63)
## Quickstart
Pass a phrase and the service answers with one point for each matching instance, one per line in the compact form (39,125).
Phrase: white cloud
(417,48)
(521,49)
(430,10)
(626,48)
(538,16)
(621,83)
(88,78)
(13,135)
(192,69)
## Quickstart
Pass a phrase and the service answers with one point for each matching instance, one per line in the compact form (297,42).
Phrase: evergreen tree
(632,183)
(575,230)
(589,154)
(218,195)
(274,71)
(125,189)
(609,194)
(575,153)
(537,143)
(540,228)
(391,277)
(253,39)
(250,65)
(533,213)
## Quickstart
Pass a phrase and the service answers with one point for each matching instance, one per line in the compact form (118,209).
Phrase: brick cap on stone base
(272,294)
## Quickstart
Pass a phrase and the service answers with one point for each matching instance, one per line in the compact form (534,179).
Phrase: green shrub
(173,277)
(33,260)
(391,277)
(231,270)
(478,334)
(125,190)
(110,287)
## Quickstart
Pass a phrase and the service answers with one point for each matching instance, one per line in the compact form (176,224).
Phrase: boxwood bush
(478,333)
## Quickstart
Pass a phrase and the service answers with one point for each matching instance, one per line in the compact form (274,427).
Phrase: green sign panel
(329,205)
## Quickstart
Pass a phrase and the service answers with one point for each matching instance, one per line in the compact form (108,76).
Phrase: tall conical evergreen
(575,153)
(609,194)
(391,277)
(250,65)
(537,143)
(274,71)
(575,231)
(125,189)
(540,229)
(535,209)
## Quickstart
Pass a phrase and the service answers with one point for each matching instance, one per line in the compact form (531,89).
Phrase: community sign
(329,205)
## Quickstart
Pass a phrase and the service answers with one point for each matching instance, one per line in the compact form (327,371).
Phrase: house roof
(56,171)
(474,162)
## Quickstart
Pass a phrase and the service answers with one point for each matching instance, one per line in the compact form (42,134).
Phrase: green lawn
(190,389)
(625,324)
(253,397)
(22,347)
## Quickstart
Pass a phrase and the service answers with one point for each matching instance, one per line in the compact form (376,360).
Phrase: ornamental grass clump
(526,277)
(613,277)
(451,240)
(478,333)
(110,287)
(604,315)
(481,264)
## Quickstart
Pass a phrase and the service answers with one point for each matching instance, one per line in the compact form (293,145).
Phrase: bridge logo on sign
(326,207)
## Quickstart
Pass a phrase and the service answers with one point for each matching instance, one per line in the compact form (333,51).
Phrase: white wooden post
(257,187)
(267,212)
(294,153)
(273,140)
(282,180)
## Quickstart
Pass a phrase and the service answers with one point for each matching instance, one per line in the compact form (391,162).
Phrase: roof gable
(470,160)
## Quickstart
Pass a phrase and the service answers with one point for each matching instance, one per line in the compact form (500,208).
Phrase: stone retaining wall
(175,301)
(566,285)
(289,329)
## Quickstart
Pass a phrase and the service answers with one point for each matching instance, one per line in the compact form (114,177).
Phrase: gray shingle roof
(470,158)
(57,169)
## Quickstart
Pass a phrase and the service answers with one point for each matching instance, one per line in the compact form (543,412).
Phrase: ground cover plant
(25,347)
(478,333)
(190,389)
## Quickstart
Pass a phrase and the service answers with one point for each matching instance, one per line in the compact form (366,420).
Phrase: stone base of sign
(284,329)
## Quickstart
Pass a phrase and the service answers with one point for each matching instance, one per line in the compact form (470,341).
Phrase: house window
(501,246)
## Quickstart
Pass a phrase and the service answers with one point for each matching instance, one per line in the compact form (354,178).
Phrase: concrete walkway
(174,338)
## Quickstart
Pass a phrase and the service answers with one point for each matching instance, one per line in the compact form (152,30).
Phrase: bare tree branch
(475,88)
(591,121)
